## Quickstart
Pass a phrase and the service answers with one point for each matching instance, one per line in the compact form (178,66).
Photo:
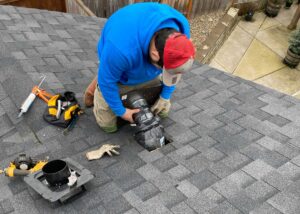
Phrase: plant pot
(249,16)
(56,172)
(291,59)
(272,9)
(288,5)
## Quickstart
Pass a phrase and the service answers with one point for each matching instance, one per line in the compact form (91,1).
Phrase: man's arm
(112,65)
(167,92)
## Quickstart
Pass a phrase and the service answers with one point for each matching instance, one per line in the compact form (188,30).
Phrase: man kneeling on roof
(140,45)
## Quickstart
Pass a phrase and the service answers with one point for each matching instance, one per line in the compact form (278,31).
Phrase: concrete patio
(255,50)
(236,143)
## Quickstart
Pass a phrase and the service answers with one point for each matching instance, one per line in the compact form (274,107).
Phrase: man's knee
(109,129)
(105,118)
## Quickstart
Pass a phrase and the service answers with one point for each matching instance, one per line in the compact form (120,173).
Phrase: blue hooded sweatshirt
(123,48)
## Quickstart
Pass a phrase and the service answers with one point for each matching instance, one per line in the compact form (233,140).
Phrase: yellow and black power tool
(22,166)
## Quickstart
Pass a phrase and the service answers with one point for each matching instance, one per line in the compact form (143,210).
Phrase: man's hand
(128,114)
(161,106)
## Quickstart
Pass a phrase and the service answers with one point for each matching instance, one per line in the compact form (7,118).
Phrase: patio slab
(268,22)
(215,64)
(276,38)
(286,15)
(284,80)
(253,26)
(233,50)
(258,61)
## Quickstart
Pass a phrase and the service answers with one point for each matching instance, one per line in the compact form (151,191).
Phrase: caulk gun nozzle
(20,114)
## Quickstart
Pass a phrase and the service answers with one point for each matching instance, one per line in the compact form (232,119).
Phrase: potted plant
(250,10)
(249,15)
(273,7)
(292,58)
(288,4)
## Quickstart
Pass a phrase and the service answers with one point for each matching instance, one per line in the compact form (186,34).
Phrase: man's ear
(154,55)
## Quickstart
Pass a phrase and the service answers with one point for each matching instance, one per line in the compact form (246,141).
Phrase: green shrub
(295,42)
(276,1)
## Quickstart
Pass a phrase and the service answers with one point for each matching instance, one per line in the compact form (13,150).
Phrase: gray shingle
(164,163)
(22,203)
(226,188)
(197,163)
(240,178)
(153,207)
(260,191)
(203,179)
(290,170)
(213,195)
(242,202)
(258,169)
(265,208)
(296,160)
(285,203)
(179,172)
(118,170)
(225,207)
(168,198)
(129,181)
(149,157)
(118,205)
(108,192)
(164,181)
(213,154)
(145,191)
(200,203)
(278,120)
(148,171)
(132,211)
(5,124)
(182,208)
(255,151)
(277,180)
(220,169)
(236,160)
(207,121)
(132,198)
(6,206)
(203,143)
(187,188)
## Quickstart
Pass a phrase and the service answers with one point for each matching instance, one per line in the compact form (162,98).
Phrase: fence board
(78,7)
(104,8)
(55,5)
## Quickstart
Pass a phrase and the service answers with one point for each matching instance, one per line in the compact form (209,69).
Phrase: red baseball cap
(179,53)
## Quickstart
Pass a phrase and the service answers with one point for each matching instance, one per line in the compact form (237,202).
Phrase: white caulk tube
(29,100)
(27,103)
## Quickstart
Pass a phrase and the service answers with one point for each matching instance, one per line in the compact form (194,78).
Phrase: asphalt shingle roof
(236,144)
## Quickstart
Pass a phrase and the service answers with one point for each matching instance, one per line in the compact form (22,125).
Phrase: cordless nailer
(22,166)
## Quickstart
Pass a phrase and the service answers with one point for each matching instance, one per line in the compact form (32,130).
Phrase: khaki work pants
(104,115)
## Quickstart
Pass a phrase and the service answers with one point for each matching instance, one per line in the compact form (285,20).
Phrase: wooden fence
(104,8)
(55,5)
(78,7)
